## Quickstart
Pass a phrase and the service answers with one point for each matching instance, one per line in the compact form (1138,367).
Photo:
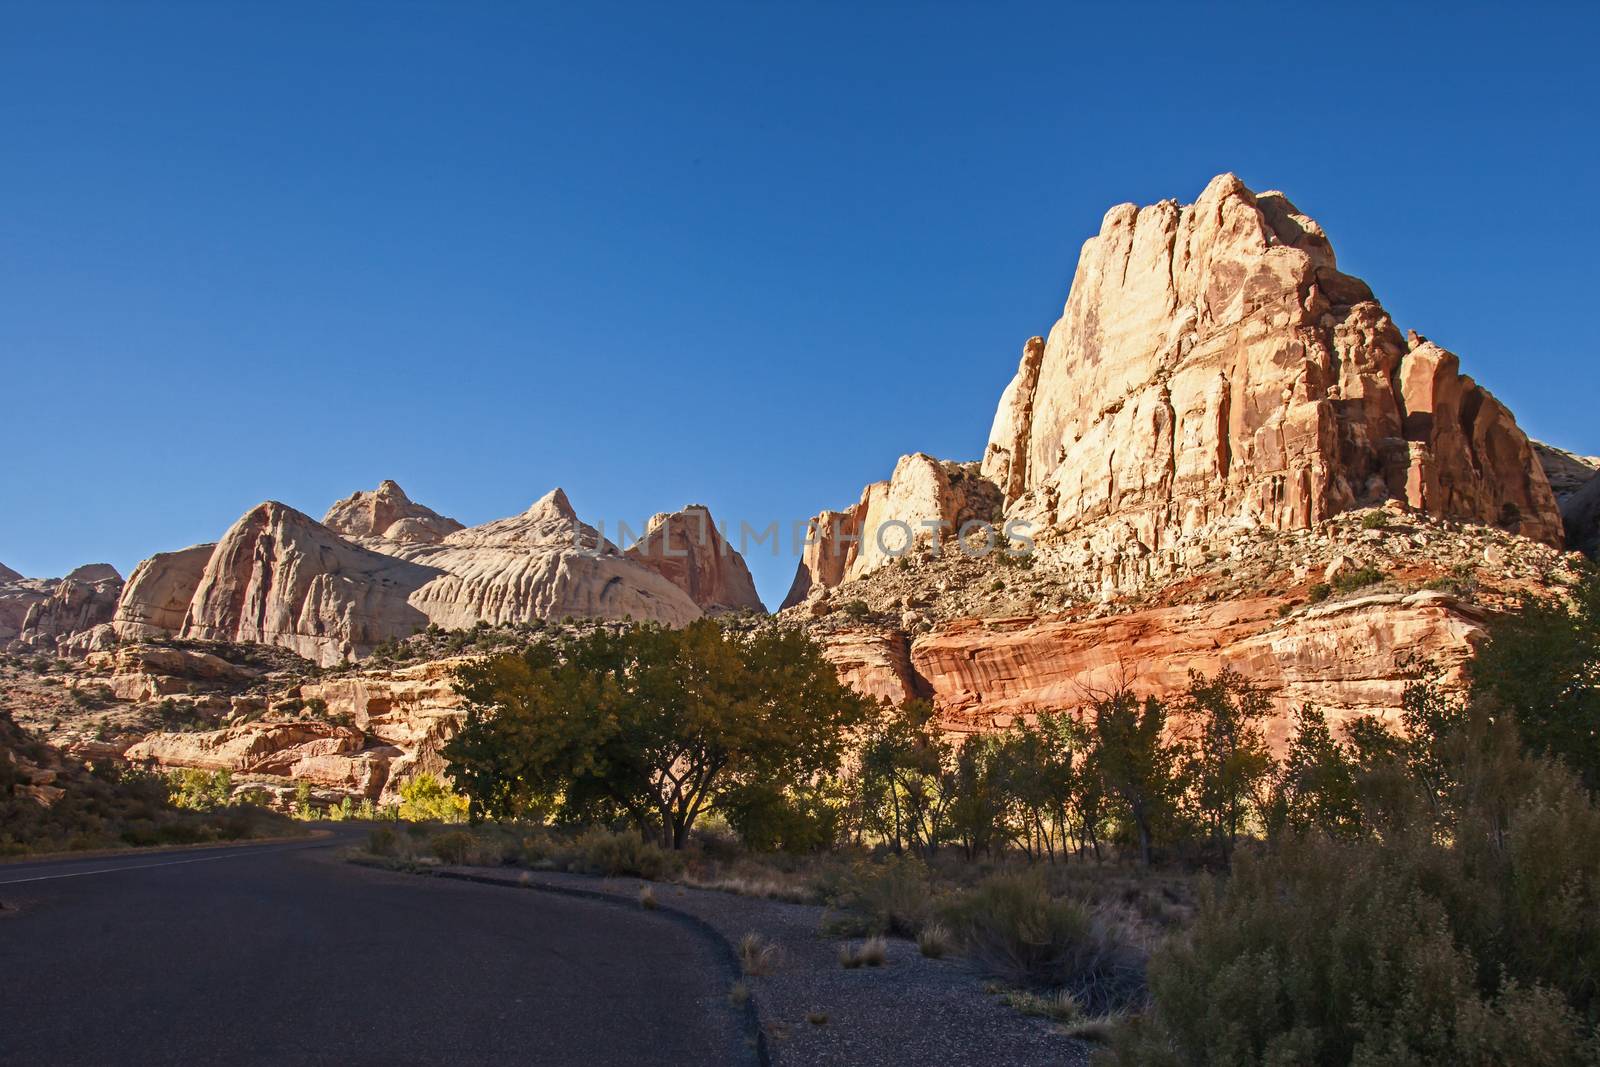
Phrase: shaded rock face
(1575,480)
(925,501)
(686,548)
(43,614)
(279,577)
(1213,367)
(8,575)
(155,602)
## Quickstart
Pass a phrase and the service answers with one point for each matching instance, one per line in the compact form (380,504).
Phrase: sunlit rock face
(381,567)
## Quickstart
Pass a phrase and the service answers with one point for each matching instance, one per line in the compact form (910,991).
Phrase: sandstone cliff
(155,602)
(925,501)
(45,614)
(386,512)
(1213,367)
(387,567)
(1194,446)
(686,548)
(1575,481)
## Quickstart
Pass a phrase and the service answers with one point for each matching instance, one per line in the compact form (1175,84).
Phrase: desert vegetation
(1149,873)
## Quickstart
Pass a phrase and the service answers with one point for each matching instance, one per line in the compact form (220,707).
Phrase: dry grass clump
(647,898)
(873,952)
(738,994)
(757,955)
(934,941)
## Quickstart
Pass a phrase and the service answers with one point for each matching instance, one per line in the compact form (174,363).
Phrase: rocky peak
(8,575)
(554,505)
(95,572)
(387,512)
(1212,367)
(686,548)
(923,494)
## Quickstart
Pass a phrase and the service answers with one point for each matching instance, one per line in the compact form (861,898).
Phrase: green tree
(660,724)
(1542,663)
(907,776)
(1226,760)
(1136,761)
(1315,789)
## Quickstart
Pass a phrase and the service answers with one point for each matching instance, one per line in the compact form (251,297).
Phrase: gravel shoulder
(912,1010)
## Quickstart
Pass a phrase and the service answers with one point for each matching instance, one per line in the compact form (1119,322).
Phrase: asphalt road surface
(283,954)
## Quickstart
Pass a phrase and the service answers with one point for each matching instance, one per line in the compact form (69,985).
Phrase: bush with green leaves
(427,799)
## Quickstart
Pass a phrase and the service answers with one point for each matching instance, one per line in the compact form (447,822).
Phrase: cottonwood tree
(1136,761)
(657,723)
(1542,663)
(1226,759)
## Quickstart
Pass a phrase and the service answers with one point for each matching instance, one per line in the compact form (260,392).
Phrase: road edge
(725,948)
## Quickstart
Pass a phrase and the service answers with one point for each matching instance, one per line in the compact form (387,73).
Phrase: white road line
(230,854)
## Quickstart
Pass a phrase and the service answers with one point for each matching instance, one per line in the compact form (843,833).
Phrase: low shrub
(757,955)
(456,847)
(1375,520)
(891,896)
(1350,581)
(606,852)
(1012,927)
(1319,592)
(1339,952)
(383,841)
(934,941)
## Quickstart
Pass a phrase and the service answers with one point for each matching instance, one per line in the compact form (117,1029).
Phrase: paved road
(282,954)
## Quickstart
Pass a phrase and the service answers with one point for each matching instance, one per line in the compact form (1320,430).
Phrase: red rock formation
(686,548)
(926,500)
(1346,658)
(1213,367)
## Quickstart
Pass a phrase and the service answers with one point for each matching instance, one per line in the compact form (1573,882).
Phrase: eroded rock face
(278,577)
(386,512)
(926,501)
(1344,658)
(8,575)
(155,602)
(43,614)
(313,751)
(1213,367)
(686,548)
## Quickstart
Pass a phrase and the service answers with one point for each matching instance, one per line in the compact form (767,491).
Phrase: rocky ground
(812,1010)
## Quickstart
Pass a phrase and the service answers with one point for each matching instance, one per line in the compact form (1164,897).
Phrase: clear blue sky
(743,254)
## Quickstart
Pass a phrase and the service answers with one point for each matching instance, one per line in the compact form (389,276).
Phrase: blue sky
(741,254)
